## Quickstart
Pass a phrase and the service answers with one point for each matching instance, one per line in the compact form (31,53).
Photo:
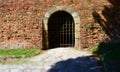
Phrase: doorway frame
(76,19)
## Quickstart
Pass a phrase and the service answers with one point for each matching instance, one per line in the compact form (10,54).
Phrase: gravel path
(57,60)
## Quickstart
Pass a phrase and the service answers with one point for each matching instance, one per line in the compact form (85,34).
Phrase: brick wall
(21,21)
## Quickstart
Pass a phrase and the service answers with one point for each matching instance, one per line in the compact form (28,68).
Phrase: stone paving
(56,60)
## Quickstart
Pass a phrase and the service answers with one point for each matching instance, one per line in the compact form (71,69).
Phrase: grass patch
(19,52)
(17,56)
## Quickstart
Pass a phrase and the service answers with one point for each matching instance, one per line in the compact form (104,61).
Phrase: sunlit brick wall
(21,21)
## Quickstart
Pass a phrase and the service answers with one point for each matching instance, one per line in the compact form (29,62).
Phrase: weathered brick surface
(21,21)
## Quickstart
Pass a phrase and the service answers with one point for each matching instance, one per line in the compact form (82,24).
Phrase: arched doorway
(61,31)
(52,16)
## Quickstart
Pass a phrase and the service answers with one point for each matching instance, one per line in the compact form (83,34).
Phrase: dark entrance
(61,32)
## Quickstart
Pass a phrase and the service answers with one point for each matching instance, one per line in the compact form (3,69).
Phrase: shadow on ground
(80,64)
(109,49)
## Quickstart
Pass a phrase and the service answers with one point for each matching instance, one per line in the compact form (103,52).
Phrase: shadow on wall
(111,22)
(80,64)
(110,47)
(115,2)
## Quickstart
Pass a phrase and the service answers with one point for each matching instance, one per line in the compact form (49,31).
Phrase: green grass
(19,52)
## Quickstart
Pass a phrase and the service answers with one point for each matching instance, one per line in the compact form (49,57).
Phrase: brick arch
(76,19)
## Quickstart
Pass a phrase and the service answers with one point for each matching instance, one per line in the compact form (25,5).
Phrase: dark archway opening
(61,30)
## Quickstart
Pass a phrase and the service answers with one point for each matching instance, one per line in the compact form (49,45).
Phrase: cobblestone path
(56,60)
